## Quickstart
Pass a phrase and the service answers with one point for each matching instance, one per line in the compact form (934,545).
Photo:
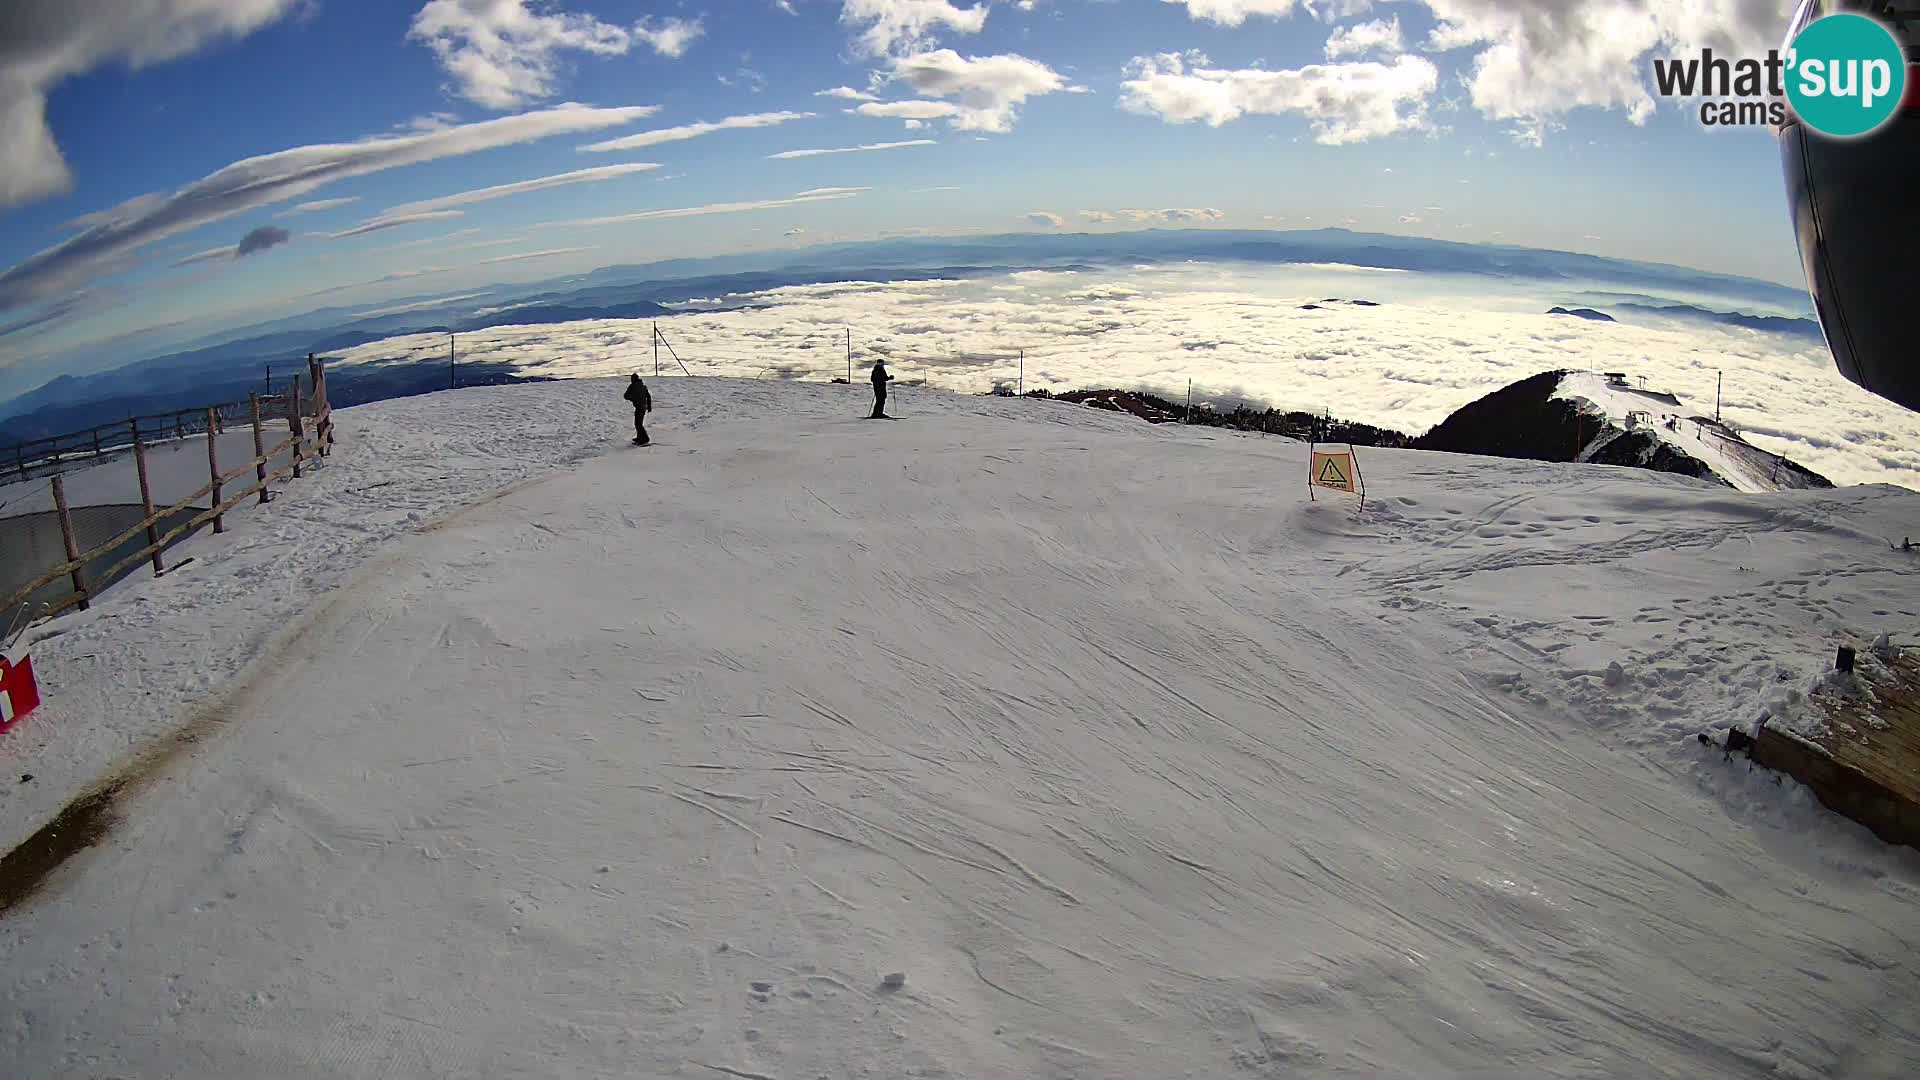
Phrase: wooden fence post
(322,407)
(294,425)
(259,446)
(146,504)
(213,471)
(96,442)
(66,537)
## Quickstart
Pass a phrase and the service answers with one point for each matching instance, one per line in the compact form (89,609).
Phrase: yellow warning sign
(1333,471)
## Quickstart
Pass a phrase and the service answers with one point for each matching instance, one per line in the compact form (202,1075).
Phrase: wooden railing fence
(304,442)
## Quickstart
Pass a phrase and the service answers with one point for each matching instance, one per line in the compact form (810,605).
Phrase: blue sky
(127,189)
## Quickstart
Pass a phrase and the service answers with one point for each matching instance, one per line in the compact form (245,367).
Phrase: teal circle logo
(1845,75)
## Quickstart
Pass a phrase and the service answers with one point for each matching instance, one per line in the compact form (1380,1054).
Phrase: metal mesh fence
(30,545)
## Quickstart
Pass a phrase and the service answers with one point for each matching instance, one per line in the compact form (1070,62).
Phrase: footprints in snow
(763,991)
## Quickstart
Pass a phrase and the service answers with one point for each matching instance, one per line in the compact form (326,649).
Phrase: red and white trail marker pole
(19,693)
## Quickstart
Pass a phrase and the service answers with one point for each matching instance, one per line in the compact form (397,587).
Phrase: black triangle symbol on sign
(1330,473)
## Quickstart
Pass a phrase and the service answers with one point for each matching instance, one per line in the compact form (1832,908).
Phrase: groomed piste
(1013,739)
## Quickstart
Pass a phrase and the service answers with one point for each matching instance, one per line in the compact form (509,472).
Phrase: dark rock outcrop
(1525,420)
(1518,421)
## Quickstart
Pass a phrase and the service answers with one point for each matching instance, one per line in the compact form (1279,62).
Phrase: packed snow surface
(1012,739)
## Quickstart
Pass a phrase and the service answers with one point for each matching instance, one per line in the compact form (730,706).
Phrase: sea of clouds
(1238,333)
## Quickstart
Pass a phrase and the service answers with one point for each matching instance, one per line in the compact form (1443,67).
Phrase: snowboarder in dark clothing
(880,381)
(642,405)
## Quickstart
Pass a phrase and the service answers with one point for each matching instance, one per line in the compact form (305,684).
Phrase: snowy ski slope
(1747,468)
(1133,762)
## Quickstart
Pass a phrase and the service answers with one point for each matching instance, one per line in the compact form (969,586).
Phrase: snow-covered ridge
(1651,419)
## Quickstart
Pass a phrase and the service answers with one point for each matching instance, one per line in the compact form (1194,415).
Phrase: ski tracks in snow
(1126,765)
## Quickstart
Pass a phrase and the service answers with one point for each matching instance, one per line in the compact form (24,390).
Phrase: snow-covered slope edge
(1575,416)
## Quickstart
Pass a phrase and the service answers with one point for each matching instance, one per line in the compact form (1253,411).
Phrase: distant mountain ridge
(1773,324)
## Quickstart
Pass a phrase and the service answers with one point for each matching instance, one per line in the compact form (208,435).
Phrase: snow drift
(1016,738)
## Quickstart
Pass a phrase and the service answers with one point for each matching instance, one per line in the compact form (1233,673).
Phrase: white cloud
(431,240)
(1347,103)
(1051,221)
(417,305)
(502,55)
(209,255)
(526,255)
(786,6)
(846,93)
(1411,218)
(390,221)
(501,191)
(1171,216)
(672,37)
(1359,39)
(108,239)
(988,89)
(1235,12)
(319,205)
(45,42)
(813,196)
(1539,59)
(916,125)
(694,131)
(1332,11)
(430,122)
(1206,214)
(908,25)
(753,80)
(787,154)
(909,110)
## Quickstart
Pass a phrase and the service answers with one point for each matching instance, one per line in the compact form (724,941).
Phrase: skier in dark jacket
(642,405)
(880,381)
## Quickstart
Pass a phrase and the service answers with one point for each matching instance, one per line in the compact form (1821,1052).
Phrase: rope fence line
(995,370)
